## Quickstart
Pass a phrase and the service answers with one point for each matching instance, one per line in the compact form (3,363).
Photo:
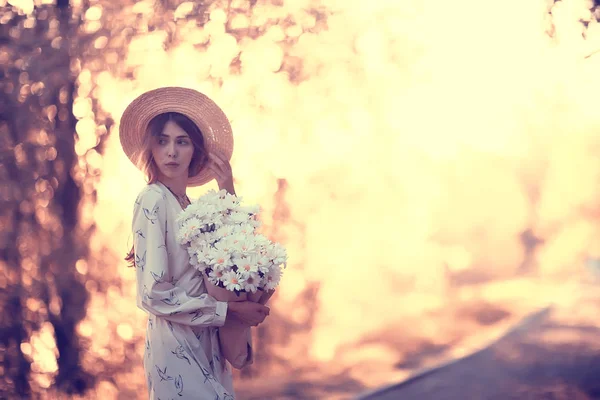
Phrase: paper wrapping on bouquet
(265,296)
(255,297)
(235,337)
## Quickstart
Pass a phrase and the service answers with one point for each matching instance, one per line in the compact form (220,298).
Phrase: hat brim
(210,119)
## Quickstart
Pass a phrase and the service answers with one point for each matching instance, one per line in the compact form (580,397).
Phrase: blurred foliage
(40,192)
(52,57)
(48,175)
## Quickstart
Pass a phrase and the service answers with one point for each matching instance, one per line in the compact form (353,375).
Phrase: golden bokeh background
(432,167)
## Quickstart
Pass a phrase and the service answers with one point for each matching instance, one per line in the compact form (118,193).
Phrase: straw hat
(214,125)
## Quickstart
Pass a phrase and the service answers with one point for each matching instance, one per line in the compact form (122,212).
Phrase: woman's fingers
(219,160)
(215,168)
(220,167)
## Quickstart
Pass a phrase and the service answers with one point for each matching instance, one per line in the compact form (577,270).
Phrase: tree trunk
(39,241)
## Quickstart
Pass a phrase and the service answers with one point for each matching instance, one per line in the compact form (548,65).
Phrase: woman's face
(172,151)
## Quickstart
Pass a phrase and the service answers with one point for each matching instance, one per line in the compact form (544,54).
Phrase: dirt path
(544,357)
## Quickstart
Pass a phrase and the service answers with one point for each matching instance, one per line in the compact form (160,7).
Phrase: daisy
(261,240)
(247,247)
(264,264)
(201,266)
(193,259)
(219,233)
(199,244)
(220,259)
(278,254)
(202,256)
(246,264)
(233,280)
(229,203)
(237,242)
(210,238)
(215,276)
(251,282)
(244,229)
(198,210)
(187,230)
(254,222)
(254,209)
(225,230)
(272,278)
(182,237)
(238,217)
(209,197)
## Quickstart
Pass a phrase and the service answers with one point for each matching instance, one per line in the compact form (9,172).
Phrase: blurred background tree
(40,194)
(47,179)
(48,176)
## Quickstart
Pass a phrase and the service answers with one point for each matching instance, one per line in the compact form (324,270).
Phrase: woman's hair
(146,162)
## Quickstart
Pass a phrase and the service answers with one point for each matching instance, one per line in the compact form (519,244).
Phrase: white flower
(210,237)
(272,278)
(220,259)
(181,217)
(201,266)
(245,229)
(233,280)
(203,256)
(232,240)
(251,282)
(238,217)
(278,254)
(261,240)
(229,203)
(199,243)
(248,246)
(240,243)
(264,264)
(226,245)
(253,209)
(215,276)
(199,210)
(255,223)
(215,219)
(210,197)
(225,230)
(246,264)
(186,230)
(193,225)
(182,237)
(193,258)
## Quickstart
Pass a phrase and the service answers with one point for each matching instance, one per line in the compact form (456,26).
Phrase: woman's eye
(183,142)
(162,141)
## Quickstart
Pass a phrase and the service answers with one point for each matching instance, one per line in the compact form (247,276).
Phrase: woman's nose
(171,151)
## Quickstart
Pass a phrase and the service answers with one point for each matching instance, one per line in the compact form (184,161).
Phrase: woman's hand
(222,170)
(248,312)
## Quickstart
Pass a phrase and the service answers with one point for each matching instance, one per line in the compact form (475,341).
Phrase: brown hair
(146,163)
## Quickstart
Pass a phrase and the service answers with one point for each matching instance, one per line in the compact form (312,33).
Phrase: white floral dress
(182,358)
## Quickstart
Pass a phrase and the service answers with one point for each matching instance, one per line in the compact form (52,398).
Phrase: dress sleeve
(156,293)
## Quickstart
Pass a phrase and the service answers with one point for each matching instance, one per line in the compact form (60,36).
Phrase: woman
(179,138)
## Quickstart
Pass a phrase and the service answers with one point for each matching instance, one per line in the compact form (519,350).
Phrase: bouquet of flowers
(219,234)
(236,263)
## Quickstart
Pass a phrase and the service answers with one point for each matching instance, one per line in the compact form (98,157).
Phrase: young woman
(179,138)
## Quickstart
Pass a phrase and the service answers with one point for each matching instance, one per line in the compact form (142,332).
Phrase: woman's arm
(155,291)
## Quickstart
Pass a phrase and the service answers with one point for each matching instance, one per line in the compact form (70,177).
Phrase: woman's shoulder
(151,194)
